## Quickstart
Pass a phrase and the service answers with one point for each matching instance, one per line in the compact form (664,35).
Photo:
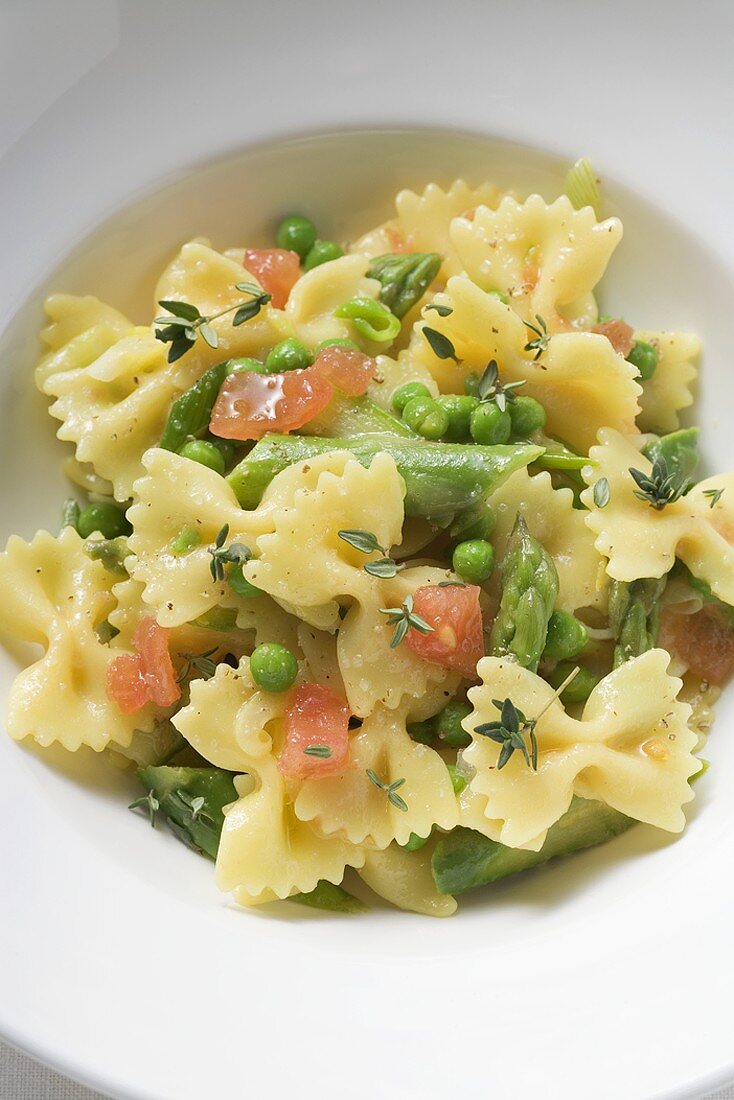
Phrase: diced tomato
(457,638)
(619,334)
(347,369)
(249,404)
(317,719)
(134,679)
(704,641)
(276,270)
(126,684)
(151,642)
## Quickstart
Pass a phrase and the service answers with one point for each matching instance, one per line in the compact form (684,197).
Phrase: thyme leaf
(404,618)
(185,322)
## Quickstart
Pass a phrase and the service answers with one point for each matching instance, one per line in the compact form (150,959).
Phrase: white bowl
(608,975)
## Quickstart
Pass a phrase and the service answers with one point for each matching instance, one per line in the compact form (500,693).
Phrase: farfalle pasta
(383,556)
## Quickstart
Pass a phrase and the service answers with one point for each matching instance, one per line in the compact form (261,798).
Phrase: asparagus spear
(111,552)
(191,412)
(529,590)
(464,859)
(193,801)
(634,616)
(441,479)
(405,277)
(679,450)
(349,417)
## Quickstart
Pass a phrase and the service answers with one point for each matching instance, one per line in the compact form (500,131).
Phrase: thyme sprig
(491,388)
(186,322)
(149,803)
(714,496)
(404,618)
(541,339)
(602,493)
(321,752)
(661,486)
(514,727)
(390,790)
(440,345)
(366,542)
(235,554)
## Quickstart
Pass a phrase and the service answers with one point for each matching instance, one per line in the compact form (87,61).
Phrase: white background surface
(629,68)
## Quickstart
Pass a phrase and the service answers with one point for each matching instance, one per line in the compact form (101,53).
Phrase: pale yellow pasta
(405,879)
(640,541)
(670,388)
(631,748)
(392,373)
(566,379)
(266,851)
(354,807)
(318,293)
(424,219)
(54,595)
(560,528)
(79,331)
(546,257)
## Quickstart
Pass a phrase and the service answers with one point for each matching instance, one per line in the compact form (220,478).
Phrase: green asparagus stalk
(464,859)
(556,455)
(111,552)
(405,277)
(529,591)
(634,616)
(70,513)
(191,412)
(441,479)
(704,591)
(325,895)
(352,417)
(679,451)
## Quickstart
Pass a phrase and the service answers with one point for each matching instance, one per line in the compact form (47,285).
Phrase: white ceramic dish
(607,976)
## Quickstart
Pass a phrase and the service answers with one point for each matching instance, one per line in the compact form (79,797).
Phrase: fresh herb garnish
(151,804)
(490,388)
(513,727)
(442,311)
(389,789)
(440,344)
(237,553)
(714,496)
(366,542)
(602,493)
(323,752)
(661,486)
(198,662)
(540,341)
(404,618)
(186,322)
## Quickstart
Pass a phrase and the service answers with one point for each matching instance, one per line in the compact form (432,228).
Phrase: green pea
(645,357)
(458,782)
(566,637)
(473,560)
(227,449)
(425,416)
(422,732)
(448,724)
(372,320)
(527,415)
(236,366)
(185,541)
(471,385)
(106,518)
(490,424)
(338,342)
(404,394)
(289,354)
(320,253)
(458,408)
(239,583)
(475,524)
(414,842)
(273,667)
(580,688)
(296,233)
(206,454)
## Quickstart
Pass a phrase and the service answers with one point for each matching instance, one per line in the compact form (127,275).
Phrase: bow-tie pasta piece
(319,651)
(405,879)
(363,811)
(266,851)
(642,541)
(546,258)
(561,529)
(424,219)
(565,378)
(631,748)
(311,304)
(372,672)
(304,561)
(208,280)
(55,596)
(79,331)
(670,388)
